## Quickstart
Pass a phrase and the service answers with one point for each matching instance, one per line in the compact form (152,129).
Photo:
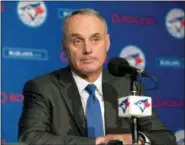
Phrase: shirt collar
(81,83)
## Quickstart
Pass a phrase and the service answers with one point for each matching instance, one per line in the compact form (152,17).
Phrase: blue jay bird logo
(33,10)
(32,13)
(180,137)
(143,104)
(136,57)
(124,105)
(178,23)
(175,22)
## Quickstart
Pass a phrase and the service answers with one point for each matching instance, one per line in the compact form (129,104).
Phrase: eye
(77,41)
(95,38)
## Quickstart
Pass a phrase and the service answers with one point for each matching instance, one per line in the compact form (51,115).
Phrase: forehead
(85,25)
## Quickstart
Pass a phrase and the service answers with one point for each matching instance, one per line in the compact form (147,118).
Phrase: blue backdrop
(150,35)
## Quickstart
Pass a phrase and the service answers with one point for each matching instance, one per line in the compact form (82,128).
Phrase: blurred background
(150,35)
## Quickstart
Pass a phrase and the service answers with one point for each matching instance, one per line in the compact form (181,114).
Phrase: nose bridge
(87,46)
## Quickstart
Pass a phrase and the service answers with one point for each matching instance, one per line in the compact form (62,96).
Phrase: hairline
(86,11)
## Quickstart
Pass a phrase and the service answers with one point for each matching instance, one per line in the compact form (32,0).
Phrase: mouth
(88,60)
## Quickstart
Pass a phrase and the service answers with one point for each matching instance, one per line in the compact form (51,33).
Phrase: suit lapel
(110,108)
(72,98)
(113,123)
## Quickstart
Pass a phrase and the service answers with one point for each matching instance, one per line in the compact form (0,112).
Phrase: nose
(87,47)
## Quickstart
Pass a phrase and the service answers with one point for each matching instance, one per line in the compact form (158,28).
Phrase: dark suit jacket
(53,113)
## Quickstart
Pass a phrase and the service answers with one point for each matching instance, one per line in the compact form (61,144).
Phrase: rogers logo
(12,97)
(162,102)
(2,7)
(64,58)
(140,20)
(3,141)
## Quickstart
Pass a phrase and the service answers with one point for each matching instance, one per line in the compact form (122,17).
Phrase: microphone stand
(134,119)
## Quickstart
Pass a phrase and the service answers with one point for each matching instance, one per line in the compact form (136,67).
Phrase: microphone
(132,106)
(120,67)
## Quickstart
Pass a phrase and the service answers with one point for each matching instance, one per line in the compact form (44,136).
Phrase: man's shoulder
(45,79)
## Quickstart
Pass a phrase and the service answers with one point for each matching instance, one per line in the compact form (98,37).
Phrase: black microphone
(120,67)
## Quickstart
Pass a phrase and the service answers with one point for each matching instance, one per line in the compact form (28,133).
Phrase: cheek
(102,54)
(74,56)
(71,52)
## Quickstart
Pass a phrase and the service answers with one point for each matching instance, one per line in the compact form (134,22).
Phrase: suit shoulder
(43,81)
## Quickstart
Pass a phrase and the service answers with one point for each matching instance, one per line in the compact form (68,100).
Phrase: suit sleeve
(154,129)
(34,123)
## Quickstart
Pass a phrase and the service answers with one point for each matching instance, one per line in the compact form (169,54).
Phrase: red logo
(3,141)
(140,20)
(63,57)
(162,102)
(2,7)
(12,97)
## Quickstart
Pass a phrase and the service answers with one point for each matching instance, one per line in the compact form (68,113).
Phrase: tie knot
(91,89)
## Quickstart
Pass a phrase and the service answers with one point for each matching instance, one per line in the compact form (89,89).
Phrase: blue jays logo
(124,105)
(143,104)
(134,56)
(180,137)
(32,13)
(175,23)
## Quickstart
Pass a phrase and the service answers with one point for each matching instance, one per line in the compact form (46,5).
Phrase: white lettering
(172,63)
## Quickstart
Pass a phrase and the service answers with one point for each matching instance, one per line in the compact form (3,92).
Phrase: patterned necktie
(93,113)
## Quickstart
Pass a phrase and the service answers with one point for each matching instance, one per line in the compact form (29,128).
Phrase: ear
(107,42)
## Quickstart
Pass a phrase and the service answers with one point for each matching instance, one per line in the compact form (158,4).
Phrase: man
(78,104)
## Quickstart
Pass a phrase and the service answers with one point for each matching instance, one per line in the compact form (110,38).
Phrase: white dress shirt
(82,84)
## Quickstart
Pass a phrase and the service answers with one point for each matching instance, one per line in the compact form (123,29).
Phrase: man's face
(86,43)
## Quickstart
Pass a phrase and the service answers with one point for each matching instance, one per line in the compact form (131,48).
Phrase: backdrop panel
(150,35)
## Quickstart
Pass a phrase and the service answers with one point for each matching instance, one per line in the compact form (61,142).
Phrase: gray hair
(85,11)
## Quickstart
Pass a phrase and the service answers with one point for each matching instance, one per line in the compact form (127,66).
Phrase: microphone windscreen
(115,66)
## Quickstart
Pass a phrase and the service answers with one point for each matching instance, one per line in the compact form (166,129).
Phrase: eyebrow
(95,34)
(75,35)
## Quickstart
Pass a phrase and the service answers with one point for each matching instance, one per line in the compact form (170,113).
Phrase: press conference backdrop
(150,35)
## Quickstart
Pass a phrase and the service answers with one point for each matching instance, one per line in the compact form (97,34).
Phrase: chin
(88,70)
